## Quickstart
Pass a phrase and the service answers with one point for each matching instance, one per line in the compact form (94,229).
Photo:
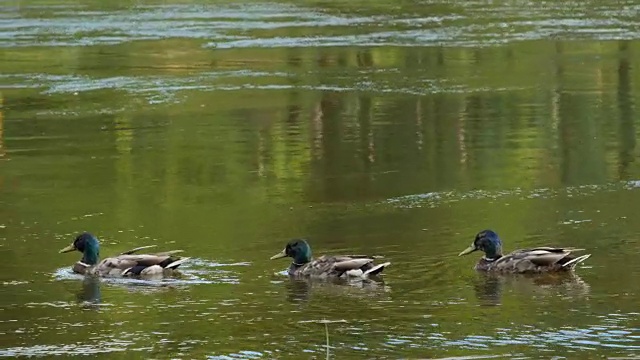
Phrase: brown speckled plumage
(126,264)
(537,260)
(327,266)
(115,266)
(534,260)
(335,266)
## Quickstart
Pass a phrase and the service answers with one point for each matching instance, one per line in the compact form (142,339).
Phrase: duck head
(298,249)
(487,241)
(88,245)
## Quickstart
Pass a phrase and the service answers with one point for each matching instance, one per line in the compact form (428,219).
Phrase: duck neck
(492,259)
(302,257)
(91,252)
(294,268)
(492,251)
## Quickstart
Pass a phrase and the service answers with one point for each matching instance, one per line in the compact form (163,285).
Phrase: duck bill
(67,249)
(279,255)
(468,250)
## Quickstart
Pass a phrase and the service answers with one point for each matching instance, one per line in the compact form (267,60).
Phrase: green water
(396,128)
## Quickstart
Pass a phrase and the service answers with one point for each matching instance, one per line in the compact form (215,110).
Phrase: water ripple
(165,89)
(436,199)
(576,338)
(235,25)
(73,349)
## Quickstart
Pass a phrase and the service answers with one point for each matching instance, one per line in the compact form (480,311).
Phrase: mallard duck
(327,266)
(535,260)
(125,264)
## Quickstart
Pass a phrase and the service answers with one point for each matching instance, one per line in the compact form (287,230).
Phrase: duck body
(327,266)
(534,260)
(125,264)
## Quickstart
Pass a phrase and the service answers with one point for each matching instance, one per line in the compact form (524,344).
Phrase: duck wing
(141,264)
(143,259)
(539,259)
(118,262)
(339,265)
(350,264)
(165,253)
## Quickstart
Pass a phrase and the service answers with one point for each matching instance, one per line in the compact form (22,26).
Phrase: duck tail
(571,264)
(376,269)
(176,263)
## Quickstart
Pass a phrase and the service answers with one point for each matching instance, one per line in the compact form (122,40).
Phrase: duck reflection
(298,289)
(89,294)
(301,289)
(489,287)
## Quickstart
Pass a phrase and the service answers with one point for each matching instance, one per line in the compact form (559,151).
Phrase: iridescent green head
(88,245)
(487,241)
(298,249)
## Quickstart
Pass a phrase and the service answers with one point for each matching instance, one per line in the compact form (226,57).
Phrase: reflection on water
(297,289)
(626,106)
(2,150)
(303,289)
(90,293)
(489,288)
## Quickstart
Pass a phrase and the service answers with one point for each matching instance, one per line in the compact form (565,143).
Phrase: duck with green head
(534,260)
(126,264)
(327,266)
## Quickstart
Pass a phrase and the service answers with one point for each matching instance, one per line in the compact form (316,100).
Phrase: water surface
(390,128)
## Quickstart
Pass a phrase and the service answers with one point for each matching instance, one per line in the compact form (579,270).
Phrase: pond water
(393,128)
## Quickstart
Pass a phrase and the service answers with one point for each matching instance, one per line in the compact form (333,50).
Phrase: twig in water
(326,331)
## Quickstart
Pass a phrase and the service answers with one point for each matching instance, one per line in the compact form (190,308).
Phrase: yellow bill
(468,250)
(67,249)
(279,255)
